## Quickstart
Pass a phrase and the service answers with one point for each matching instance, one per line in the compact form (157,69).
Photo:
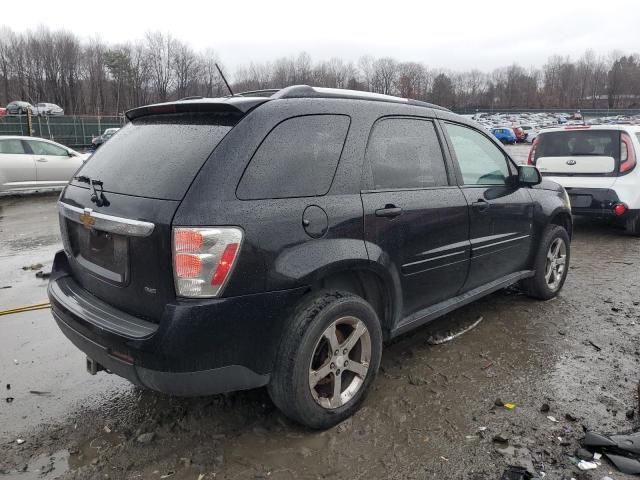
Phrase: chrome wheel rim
(340,362)
(556,264)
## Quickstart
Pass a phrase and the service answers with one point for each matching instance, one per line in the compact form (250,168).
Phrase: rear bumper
(197,348)
(596,202)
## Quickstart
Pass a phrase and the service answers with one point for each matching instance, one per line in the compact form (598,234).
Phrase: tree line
(93,77)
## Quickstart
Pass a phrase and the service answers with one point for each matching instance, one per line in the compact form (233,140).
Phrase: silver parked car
(19,107)
(28,163)
(44,109)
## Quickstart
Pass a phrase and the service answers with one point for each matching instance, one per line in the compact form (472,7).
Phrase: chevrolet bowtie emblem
(87,220)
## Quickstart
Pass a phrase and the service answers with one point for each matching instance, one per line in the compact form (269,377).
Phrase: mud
(431,413)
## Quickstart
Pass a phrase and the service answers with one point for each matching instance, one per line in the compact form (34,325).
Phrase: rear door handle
(389,211)
(480,205)
(42,160)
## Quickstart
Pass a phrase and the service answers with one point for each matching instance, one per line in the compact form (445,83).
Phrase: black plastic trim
(70,296)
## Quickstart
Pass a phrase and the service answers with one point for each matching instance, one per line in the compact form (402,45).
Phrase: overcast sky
(455,34)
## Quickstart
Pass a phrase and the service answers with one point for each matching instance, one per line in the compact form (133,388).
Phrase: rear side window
(158,156)
(570,143)
(11,147)
(405,153)
(298,158)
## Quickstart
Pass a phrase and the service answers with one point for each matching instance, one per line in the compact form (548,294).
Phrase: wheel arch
(367,280)
(562,218)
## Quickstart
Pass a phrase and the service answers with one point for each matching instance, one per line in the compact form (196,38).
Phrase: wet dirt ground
(431,412)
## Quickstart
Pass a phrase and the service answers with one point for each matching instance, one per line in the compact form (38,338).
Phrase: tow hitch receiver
(93,367)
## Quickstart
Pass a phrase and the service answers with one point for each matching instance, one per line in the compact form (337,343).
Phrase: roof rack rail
(192,97)
(267,92)
(305,91)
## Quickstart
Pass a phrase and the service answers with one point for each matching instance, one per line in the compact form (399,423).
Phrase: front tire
(328,357)
(551,264)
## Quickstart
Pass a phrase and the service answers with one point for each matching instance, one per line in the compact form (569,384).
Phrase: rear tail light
(627,153)
(203,259)
(532,153)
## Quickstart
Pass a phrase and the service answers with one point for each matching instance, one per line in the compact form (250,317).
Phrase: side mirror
(528,175)
(70,153)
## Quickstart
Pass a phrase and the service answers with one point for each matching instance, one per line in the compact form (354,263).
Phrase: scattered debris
(35,266)
(598,348)
(585,465)
(344,426)
(43,275)
(8,386)
(509,406)
(5,287)
(570,417)
(516,473)
(621,450)
(553,419)
(146,437)
(498,402)
(20,441)
(501,438)
(437,340)
(545,408)
(9,399)
(630,413)
(38,392)
(583,454)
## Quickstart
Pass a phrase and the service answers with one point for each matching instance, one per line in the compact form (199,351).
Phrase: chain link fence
(72,131)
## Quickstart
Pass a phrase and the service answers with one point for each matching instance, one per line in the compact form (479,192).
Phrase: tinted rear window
(405,153)
(157,156)
(298,158)
(593,143)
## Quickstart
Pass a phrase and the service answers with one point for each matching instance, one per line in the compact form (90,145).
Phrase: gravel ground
(431,413)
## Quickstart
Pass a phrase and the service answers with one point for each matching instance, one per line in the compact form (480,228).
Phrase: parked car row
(40,109)
(526,126)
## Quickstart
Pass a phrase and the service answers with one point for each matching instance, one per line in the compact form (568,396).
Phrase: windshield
(157,156)
(592,143)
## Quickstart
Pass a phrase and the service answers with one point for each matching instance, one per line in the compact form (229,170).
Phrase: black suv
(225,244)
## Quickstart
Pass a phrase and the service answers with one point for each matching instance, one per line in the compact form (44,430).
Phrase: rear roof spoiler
(239,105)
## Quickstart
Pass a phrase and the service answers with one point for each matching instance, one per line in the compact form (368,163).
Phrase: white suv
(597,166)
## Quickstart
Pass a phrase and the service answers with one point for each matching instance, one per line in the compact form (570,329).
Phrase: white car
(597,165)
(44,109)
(28,163)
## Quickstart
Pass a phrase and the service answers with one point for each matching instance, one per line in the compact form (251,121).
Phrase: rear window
(298,158)
(158,156)
(571,143)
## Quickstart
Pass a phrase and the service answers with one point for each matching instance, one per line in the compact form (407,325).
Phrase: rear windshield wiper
(97,196)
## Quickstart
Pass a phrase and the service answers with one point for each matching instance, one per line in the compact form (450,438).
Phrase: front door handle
(42,160)
(481,205)
(389,211)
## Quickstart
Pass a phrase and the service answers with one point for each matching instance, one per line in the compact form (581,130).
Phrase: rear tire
(311,383)
(551,264)
(632,226)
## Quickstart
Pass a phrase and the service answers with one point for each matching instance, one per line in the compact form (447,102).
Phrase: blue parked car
(505,135)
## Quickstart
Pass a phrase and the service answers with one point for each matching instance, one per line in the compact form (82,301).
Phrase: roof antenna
(224,80)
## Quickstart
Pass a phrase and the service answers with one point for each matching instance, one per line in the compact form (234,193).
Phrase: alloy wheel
(340,362)
(556,264)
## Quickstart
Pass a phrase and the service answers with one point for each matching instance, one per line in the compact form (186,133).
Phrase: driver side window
(481,162)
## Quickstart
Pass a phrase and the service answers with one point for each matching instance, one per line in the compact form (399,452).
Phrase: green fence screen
(72,131)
